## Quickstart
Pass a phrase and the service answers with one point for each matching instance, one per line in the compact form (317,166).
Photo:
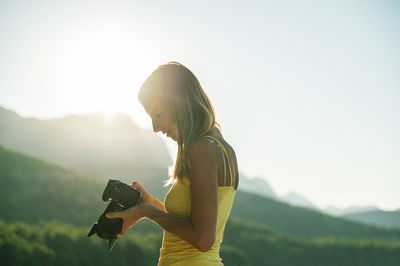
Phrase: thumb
(112,215)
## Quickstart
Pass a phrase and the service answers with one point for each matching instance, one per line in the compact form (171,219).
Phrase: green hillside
(245,243)
(54,243)
(35,190)
(303,222)
(388,219)
(122,151)
(37,193)
(255,244)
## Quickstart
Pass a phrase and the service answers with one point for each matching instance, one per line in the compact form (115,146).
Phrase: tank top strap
(226,156)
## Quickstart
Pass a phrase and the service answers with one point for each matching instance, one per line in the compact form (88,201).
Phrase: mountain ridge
(86,142)
(119,149)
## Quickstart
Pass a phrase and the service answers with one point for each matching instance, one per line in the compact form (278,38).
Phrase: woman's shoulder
(216,139)
(206,150)
(220,145)
(202,147)
(209,144)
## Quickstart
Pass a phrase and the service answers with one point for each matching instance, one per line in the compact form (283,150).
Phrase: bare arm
(200,228)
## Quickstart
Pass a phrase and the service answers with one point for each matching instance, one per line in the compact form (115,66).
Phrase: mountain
(257,186)
(349,210)
(28,184)
(115,148)
(297,221)
(260,186)
(257,244)
(388,219)
(90,145)
(298,200)
(245,243)
(35,192)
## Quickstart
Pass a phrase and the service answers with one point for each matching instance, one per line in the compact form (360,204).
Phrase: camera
(122,197)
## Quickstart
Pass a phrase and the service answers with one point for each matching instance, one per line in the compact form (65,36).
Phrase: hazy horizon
(306,92)
(171,145)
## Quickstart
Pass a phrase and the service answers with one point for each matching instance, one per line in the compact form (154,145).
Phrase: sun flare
(108,115)
(102,71)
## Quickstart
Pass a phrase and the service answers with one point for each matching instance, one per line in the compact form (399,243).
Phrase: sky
(307,92)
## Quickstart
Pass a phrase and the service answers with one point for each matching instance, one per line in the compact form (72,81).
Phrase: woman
(205,175)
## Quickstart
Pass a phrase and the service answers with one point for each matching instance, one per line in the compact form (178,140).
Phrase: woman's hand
(129,216)
(147,198)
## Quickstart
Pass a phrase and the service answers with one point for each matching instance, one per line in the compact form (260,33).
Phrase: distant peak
(8,111)
(117,118)
(100,119)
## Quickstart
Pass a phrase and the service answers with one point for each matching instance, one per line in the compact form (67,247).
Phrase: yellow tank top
(176,251)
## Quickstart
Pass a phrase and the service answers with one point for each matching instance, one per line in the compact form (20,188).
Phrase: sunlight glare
(102,70)
(108,116)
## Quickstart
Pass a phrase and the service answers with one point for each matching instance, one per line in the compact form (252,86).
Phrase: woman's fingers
(145,196)
(112,215)
(129,216)
(124,229)
(121,214)
(137,186)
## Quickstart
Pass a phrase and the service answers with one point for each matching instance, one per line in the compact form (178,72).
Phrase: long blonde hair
(191,109)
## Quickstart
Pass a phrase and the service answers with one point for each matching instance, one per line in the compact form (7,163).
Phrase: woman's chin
(172,137)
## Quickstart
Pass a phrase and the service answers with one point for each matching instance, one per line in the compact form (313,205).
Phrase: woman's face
(160,114)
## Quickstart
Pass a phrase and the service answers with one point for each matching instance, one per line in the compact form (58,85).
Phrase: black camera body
(122,197)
